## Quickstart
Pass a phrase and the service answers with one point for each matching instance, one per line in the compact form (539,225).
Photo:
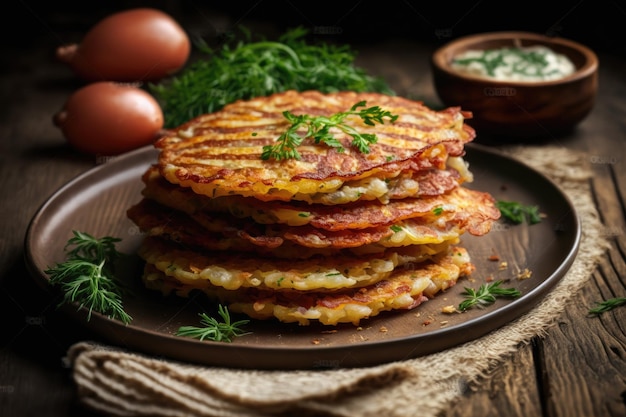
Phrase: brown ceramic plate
(96,202)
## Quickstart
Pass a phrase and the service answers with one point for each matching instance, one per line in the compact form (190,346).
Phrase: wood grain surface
(578,369)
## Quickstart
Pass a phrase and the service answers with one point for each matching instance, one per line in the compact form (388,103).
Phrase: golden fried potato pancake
(233,270)
(428,183)
(219,154)
(219,232)
(334,236)
(405,289)
(470,209)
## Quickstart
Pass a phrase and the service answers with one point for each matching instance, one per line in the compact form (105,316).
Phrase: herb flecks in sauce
(533,63)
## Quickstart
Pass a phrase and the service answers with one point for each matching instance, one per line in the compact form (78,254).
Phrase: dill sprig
(87,247)
(213,329)
(486,295)
(607,305)
(518,213)
(86,277)
(252,68)
(318,128)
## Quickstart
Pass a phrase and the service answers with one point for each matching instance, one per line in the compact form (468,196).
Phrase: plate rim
(480,326)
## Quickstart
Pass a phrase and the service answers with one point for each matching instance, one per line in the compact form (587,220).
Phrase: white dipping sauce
(533,63)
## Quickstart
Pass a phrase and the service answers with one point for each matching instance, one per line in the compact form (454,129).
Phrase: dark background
(597,23)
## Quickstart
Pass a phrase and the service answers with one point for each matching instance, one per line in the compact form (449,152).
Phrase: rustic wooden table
(577,369)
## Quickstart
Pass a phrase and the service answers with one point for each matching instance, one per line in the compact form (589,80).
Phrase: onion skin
(141,44)
(107,118)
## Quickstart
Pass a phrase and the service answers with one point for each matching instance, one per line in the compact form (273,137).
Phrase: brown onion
(135,45)
(107,118)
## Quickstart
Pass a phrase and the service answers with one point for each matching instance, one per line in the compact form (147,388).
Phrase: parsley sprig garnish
(518,213)
(486,295)
(318,128)
(608,305)
(213,329)
(87,276)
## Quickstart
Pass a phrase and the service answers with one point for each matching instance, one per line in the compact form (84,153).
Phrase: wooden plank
(510,390)
(585,359)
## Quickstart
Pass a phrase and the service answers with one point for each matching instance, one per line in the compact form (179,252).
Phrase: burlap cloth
(123,383)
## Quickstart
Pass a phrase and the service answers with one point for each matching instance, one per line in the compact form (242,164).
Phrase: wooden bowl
(518,109)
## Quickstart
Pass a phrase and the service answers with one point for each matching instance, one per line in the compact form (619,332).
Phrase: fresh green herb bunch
(258,68)
(213,329)
(318,128)
(87,276)
(486,295)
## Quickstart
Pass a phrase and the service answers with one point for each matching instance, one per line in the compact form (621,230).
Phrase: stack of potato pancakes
(338,235)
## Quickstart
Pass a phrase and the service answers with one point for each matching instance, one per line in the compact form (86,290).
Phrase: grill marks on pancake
(432,157)
(197,153)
